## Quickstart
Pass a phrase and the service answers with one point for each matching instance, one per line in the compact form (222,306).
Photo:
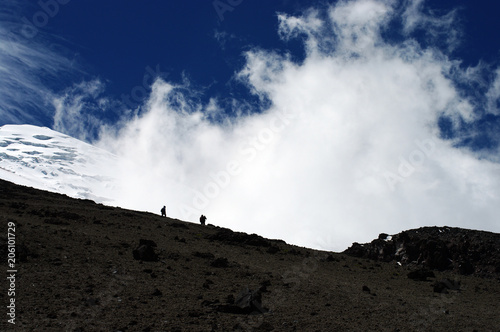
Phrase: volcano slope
(82,266)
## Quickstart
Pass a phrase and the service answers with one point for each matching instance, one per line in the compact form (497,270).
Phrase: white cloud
(349,148)
(223,37)
(493,95)
(357,23)
(292,26)
(74,108)
(416,17)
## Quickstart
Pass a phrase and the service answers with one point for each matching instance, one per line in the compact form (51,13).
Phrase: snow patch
(60,164)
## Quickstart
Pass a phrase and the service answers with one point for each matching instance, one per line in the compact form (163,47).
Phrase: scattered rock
(421,275)
(157,292)
(273,250)
(182,240)
(195,314)
(88,277)
(55,221)
(444,285)
(206,255)
(173,256)
(220,262)
(383,236)
(150,243)
(207,283)
(465,267)
(237,238)
(248,302)
(178,225)
(91,302)
(145,251)
(264,285)
(436,248)
(264,327)
(210,303)
(52,315)
(358,250)
(22,252)
(331,258)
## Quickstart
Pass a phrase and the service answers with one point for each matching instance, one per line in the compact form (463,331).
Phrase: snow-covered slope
(48,160)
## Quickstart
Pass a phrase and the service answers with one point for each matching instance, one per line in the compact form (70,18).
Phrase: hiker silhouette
(164,211)
(202,219)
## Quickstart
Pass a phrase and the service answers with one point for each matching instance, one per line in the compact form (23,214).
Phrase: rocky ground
(463,251)
(82,266)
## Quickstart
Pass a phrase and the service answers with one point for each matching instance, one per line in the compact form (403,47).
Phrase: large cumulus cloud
(349,147)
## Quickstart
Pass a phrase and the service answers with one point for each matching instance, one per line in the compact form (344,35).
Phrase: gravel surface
(82,266)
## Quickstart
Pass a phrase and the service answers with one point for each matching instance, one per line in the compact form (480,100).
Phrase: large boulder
(436,248)
(145,251)
(248,302)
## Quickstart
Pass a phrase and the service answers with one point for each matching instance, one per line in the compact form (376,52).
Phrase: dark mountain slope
(82,266)
(442,248)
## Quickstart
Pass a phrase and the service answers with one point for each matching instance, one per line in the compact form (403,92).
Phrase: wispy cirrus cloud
(42,82)
(77,108)
(28,66)
(493,95)
(444,28)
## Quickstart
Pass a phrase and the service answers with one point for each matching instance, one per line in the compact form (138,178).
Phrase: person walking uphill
(164,211)
(202,219)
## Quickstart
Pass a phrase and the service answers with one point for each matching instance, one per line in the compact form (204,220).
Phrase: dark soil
(83,266)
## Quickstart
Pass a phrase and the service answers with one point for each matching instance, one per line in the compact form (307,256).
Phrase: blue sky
(327,105)
(123,44)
